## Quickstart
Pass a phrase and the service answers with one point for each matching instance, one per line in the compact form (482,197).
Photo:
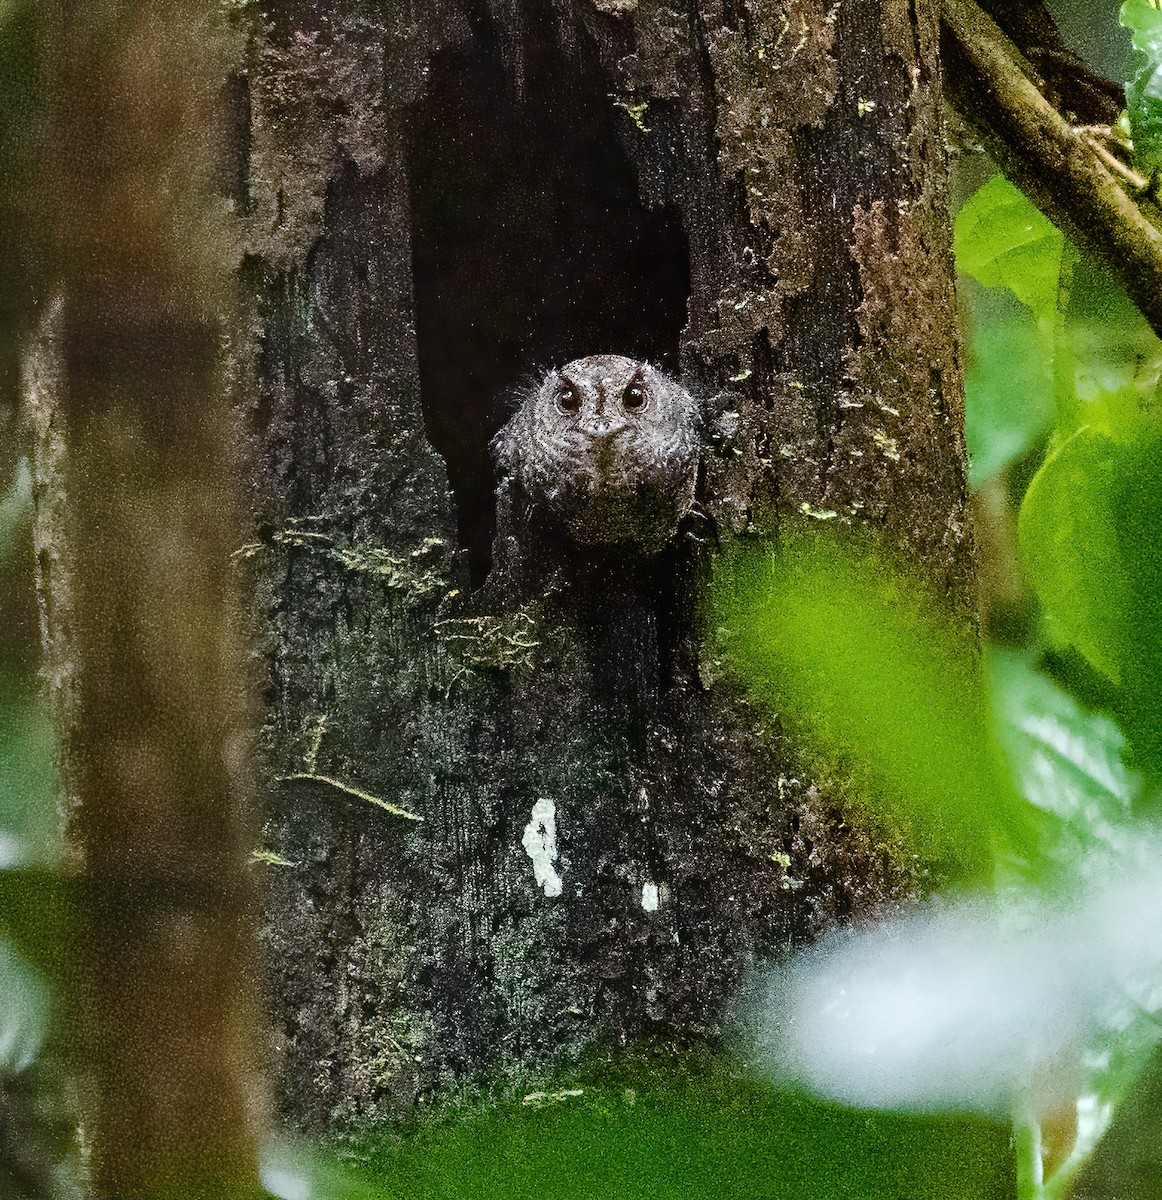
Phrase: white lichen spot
(650,897)
(540,844)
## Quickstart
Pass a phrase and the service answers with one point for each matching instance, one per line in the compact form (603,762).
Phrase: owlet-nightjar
(609,445)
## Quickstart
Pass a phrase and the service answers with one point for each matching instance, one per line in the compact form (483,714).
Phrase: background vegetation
(1033,785)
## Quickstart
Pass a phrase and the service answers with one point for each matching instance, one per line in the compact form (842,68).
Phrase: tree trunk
(507,824)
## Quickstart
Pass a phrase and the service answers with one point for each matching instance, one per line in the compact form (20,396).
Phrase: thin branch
(989,81)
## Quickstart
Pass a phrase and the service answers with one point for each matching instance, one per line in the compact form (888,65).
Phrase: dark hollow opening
(531,246)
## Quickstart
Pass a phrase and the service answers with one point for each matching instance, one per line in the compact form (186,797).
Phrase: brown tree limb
(990,82)
(1068,84)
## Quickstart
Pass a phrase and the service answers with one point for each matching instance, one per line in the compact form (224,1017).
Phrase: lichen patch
(540,844)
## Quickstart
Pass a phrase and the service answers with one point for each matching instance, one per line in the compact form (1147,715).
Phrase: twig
(1115,164)
(1107,133)
(347,790)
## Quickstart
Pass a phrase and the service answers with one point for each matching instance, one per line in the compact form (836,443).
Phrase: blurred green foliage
(1087,518)
(28,819)
(1009,383)
(1003,241)
(1066,760)
(1005,244)
(700,1136)
(1089,536)
(1144,92)
(854,660)
(32,921)
(1008,776)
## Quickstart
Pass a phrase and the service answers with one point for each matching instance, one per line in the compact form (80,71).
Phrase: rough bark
(442,199)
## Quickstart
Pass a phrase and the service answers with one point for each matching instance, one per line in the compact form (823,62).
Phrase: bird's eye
(568,398)
(634,396)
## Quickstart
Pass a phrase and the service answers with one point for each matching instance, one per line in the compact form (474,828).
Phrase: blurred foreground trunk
(137,516)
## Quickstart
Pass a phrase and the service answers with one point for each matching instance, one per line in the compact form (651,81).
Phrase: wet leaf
(1070,762)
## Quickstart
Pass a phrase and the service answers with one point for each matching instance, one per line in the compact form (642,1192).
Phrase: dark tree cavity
(519,824)
(531,244)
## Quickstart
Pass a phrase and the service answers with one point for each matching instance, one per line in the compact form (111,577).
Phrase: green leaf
(1116,1072)
(1002,240)
(1072,762)
(847,653)
(1009,403)
(1144,92)
(1004,243)
(1127,1160)
(1069,542)
(1089,536)
(1114,359)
